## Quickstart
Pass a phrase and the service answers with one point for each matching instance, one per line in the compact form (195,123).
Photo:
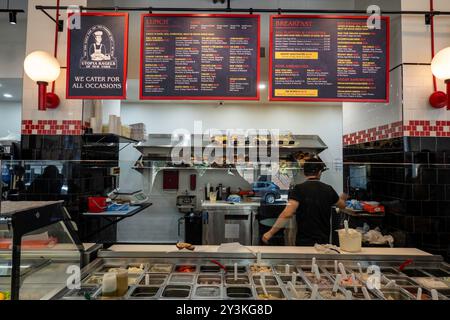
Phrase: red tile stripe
(425,128)
(386,131)
(52,127)
(413,128)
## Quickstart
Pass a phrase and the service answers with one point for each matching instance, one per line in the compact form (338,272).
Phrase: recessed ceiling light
(7,95)
(262,86)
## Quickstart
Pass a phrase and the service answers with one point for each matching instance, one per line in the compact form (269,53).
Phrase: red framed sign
(328,59)
(97,56)
(200,57)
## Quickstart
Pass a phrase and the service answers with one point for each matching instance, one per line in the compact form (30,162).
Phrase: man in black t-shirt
(311,202)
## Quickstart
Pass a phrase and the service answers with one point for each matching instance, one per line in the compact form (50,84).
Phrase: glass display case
(39,249)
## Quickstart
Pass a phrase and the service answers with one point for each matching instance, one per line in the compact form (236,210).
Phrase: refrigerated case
(38,247)
(212,273)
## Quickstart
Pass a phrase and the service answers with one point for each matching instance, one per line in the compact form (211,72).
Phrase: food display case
(162,272)
(38,244)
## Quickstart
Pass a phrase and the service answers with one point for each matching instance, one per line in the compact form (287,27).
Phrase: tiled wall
(52,127)
(413,128)
(411,176)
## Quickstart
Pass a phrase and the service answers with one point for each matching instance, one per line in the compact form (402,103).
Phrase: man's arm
(341,202)
(284,216)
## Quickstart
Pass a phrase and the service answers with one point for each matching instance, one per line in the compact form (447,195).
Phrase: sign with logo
(328,58)
(200,57)
(97,56)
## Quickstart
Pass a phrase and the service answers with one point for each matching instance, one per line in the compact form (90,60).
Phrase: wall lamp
(43,68)
(440,66)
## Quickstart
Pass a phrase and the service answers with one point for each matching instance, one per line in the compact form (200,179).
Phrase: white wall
(416,42)
(10,120)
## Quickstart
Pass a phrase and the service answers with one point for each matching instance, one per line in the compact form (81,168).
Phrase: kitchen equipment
(193,227)
(226,223)
(133,197)
(186,203)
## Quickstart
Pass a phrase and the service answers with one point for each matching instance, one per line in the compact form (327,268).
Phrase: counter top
(268,250)
(11,207)
(224,204)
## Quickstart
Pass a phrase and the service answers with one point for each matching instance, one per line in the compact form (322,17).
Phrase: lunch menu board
(97,56)
(323,58)
(200,57)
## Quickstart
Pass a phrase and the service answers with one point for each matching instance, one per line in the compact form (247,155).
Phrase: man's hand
(343,196)
(266,237)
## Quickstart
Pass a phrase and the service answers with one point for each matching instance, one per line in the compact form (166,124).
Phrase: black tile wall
(411,177)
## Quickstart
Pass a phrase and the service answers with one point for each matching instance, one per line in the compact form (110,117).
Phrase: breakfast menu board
(200,57)
(323,58)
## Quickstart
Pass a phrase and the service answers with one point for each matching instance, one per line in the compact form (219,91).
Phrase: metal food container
(269,280)
(240,280)
(153,279)
(93,280)
(301,293)
(186,268)
(184,278)
(282,268)
(209,279)
(240,269)
(261,268)
(414,273)
(160,268)
(141,292)
(176,292)
(239,292)
(399,281)
(288,278)
(273,293)
(207,292)
(210,269)
(84,293)
(395,294)
(326,293)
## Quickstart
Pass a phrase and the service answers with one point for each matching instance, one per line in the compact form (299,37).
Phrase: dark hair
(313,167)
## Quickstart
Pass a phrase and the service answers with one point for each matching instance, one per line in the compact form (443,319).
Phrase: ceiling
(13,86)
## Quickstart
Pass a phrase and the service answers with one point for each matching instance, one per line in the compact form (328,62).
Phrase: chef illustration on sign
(98,49)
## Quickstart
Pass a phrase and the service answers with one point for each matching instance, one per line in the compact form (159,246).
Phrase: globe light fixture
(43,68)
(440,66)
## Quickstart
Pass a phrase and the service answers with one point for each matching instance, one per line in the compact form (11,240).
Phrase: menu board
(200,56)
(97,56)
(328,58)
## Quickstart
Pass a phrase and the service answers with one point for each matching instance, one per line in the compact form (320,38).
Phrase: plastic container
(350,241)
(97,204)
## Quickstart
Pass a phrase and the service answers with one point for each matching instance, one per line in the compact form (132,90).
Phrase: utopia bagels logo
(98,49)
